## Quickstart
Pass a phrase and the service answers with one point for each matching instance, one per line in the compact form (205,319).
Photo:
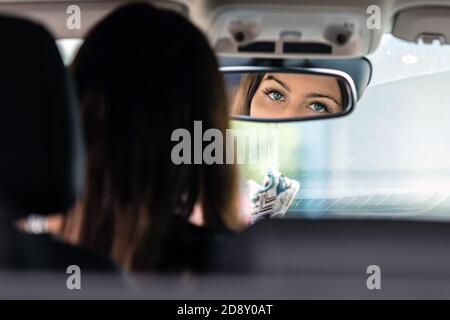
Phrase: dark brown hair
(247,87)
(140,74)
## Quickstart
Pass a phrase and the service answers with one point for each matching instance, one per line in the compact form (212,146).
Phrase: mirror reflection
(286,95)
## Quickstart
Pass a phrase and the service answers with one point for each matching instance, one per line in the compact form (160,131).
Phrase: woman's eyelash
(326,106)
(268,91)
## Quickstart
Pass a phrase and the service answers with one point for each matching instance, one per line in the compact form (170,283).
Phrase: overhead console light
(290,32)
(423,24)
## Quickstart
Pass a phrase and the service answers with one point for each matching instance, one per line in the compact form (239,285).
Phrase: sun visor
(425,24)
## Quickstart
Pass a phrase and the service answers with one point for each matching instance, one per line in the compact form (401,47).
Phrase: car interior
(368,156)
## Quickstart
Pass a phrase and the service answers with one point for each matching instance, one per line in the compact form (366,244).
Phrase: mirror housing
(271,94)
(353,76)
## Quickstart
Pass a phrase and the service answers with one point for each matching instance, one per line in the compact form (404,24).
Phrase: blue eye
(275,95)
(318,107)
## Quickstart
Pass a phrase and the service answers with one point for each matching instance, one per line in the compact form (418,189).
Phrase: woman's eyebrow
(321,95)
(281,83)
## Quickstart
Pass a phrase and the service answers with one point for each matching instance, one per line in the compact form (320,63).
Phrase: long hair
(140,74)
(245,91)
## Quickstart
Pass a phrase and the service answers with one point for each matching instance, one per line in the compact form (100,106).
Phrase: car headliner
(202,12)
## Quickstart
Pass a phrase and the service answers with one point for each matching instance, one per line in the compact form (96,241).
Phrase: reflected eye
(318,107)
(274,95)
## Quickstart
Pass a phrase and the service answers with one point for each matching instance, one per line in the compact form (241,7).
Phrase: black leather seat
(41,160)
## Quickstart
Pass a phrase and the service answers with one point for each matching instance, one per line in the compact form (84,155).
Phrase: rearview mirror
(271,94)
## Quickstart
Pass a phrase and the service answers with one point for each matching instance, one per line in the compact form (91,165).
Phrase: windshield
(389,158)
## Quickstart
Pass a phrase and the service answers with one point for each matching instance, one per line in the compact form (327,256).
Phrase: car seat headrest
(41,162)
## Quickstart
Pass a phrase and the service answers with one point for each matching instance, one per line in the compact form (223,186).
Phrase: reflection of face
(284,95)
